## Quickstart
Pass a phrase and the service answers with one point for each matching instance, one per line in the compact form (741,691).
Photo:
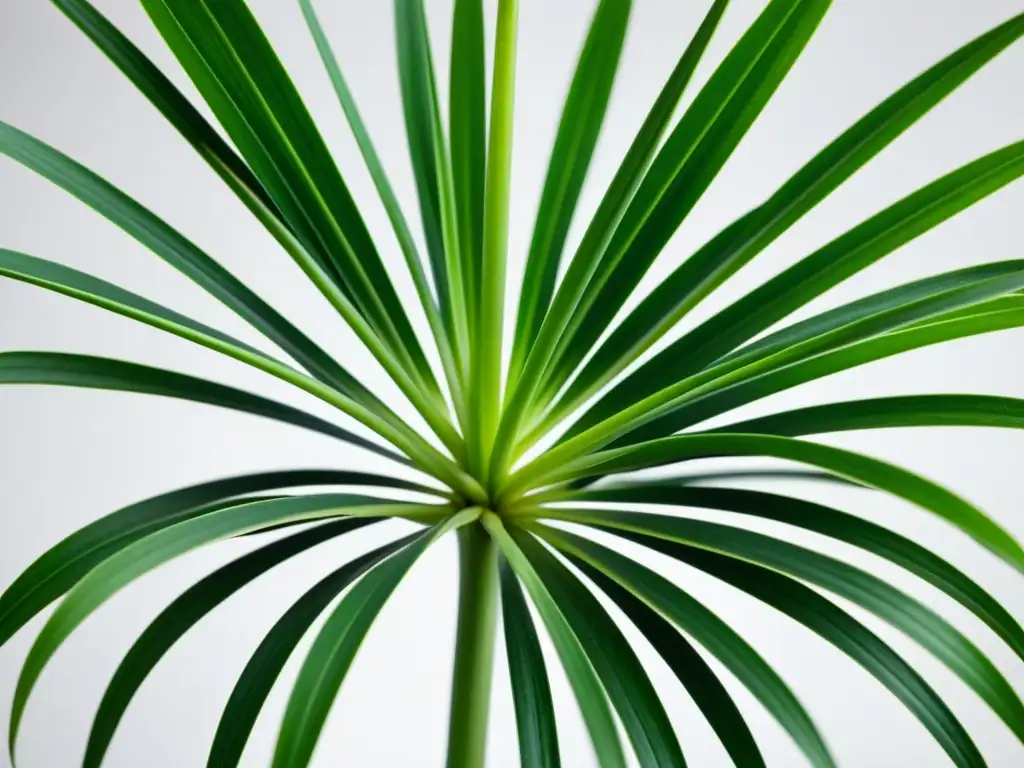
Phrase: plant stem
(474,648)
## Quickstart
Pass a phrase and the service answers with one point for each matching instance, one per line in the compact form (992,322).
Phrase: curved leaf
(303,180)
(887,412)
(578,131)
(618,668)
(601,229)
(838,525)
(848,254)
(170,246)
(694,153)
(144,555)
(697,677)
(184,613)
(590,695)
(976,286)
(336,645)
(387,196)
(60,369)
(863,469)
(66,563)
(708,630)
(726,253)
(265,665)
(92,290)
(664,533)
(962,324)
(531,692)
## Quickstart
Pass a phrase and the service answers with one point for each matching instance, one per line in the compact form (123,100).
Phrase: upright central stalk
(474,648)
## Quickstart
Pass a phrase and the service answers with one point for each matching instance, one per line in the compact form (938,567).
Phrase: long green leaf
(960,324)
(388,198)
(918,622)
(170,246)
(119,570)
(697,677)
(590,695)
(238,54)
(184,613)
(66,563)
(712,633)
(852,252)
(531,691)
(726,253)
(976,286)
(93,290)
(232,64)
(467,117)
(163,95)
(432,168)
(864,469)
(336,645)
(265,665)
(599,233)
(838,525)
(60,369)
(886,412)
(838,627)
(578,131)
(694,153)
(617,666)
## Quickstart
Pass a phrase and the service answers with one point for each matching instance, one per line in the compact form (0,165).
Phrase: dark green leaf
(67,370)
(667,534)
(535,713)
(697,677)
(886,412)
(137,559)
(66,563)
(590,694)
(692,156)
(336,645)
(845,256)
(265,665)
(184,613)
(578,130)
(864,469)
(172,247)
(618,668)
(835,524)
(726,253)
(708,630)
(963,324)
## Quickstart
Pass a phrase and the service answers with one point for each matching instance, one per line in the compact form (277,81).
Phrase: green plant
(566,379)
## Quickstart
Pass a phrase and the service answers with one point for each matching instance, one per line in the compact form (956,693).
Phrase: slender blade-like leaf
(578,131)
(618,668)
(845,256)
(829,522)
(697,677)
(726,253)
(184,613)
(335,647)
(864,469)
(531,691)
(918,622)
(66,563)
(711,632)
(265,665)
(590,695)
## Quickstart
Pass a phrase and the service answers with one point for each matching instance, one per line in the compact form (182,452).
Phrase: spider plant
(519,452)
